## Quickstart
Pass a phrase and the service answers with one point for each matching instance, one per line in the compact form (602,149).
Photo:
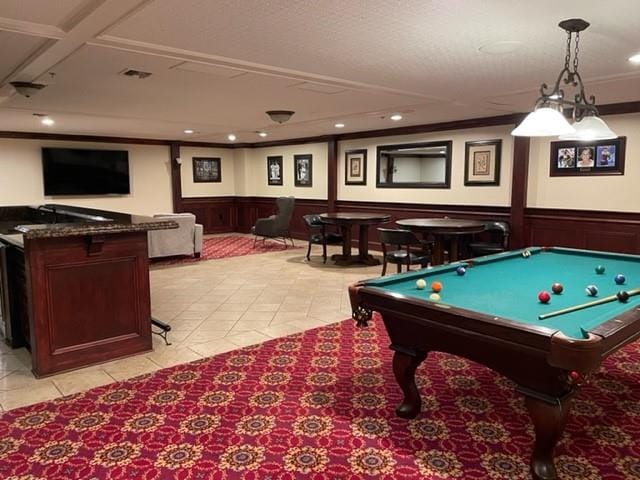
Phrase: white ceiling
(217,66)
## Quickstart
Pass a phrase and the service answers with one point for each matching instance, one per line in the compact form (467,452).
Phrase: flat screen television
(74,171)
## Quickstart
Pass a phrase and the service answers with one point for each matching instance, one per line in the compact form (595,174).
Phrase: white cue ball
(421,284)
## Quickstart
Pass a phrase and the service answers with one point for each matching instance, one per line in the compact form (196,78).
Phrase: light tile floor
(213,307)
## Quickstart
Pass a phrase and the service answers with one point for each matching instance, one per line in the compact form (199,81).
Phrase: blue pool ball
(461,271)
(619,279)
(591,290)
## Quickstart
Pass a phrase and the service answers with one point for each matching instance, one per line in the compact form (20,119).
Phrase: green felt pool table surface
(507,285)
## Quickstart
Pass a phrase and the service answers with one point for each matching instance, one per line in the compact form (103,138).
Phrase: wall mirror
(414,165)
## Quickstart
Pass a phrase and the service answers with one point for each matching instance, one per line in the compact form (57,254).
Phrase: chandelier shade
(543,122)
(590,128)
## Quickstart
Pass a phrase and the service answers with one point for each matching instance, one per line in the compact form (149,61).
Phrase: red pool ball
(544,297)
(557,288)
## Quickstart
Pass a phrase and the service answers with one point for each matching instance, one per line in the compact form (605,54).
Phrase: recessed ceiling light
(339,125)
(501,48)
(262,134)
(635,58)
(47,121)
(396,117)
(188,131)
(231,137)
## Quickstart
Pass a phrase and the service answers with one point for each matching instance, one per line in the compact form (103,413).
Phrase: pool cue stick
(582,306)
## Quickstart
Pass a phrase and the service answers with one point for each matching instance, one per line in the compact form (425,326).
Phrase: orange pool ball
(436,286)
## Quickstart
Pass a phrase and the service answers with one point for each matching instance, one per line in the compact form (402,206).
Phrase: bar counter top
(54,221)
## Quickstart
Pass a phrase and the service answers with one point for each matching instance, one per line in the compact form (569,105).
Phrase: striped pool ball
(591,290)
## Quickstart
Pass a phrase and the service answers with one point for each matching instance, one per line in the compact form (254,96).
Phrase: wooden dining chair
(397,249)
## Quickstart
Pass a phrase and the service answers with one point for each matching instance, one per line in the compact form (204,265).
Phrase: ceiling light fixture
(48,121)
(339,125)
(280,116)
(547,118)
(188,131)
(396,117)
(635,58)
(231,137)
(262,134)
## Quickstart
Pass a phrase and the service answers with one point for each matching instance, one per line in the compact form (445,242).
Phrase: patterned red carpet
(228,246)
(318,405)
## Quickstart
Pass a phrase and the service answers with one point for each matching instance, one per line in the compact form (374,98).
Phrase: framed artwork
(206,170)
(303,170)
(482,163)
(573,158)
(274,170)
(355,163)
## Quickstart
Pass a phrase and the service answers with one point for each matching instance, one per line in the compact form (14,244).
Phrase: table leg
(346,244)
(454,243)
(363,243)
(549,420)
(438,250)
(404,369)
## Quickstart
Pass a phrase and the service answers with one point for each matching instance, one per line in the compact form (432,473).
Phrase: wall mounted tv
(74,171)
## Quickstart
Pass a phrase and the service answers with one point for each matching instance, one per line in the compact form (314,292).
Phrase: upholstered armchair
(276,226)
(184,240)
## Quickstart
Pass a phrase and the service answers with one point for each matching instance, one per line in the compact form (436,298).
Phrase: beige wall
(254,171)
(458,194)
(212,189)
(21,177)
(615,193)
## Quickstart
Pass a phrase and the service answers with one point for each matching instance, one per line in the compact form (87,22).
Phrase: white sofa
(184,240)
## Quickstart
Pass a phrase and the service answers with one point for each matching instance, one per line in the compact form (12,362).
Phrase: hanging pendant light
(548,120)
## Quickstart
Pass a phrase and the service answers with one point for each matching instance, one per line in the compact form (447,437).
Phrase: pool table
(491,315)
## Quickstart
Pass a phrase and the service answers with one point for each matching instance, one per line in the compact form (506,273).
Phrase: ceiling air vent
(130,72)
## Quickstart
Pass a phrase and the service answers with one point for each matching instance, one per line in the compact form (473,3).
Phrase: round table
(344,221)
(444,231)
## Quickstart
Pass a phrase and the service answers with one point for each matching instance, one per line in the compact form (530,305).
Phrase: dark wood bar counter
(76,284)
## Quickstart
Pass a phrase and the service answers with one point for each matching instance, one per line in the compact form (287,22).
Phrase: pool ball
(526,253)
(544,297)
(557,288)
(622,296)
(591,290)
(600,269)
(421,284)
(434,296)
(461,270)
(436,286)
(619,279)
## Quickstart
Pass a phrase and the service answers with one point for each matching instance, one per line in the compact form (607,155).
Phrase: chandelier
(547,118)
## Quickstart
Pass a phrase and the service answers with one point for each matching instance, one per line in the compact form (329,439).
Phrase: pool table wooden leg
(404,369)
(549,421)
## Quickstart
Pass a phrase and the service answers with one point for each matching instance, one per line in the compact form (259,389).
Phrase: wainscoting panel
(593,230)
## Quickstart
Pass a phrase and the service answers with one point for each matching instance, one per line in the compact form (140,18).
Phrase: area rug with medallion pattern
(319,405)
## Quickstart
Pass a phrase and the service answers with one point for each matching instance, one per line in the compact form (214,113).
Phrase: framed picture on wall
(303,170)
(274,170)
(573,158)
(206,169)
(482,163)
(355,163)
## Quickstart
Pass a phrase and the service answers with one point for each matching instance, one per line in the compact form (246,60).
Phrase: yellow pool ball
(434,296)
(421,284)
